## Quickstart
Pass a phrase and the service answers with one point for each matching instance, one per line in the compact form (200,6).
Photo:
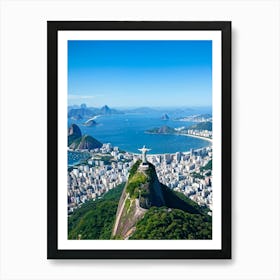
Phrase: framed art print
(139,140)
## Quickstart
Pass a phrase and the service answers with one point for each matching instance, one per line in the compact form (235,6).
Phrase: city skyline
(140,73)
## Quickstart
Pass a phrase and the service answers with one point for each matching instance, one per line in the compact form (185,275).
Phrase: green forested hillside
(180,201)
(181,218)
(94,219)
(85,142)
(208,166)
(167,223)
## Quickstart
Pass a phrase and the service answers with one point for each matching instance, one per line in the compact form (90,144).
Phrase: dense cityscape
(140,148)
(187,172)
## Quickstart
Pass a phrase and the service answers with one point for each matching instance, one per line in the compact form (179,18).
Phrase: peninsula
(200,130)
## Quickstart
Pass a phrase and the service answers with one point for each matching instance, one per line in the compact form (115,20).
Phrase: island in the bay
(139,139)
(202,129)
(117,194)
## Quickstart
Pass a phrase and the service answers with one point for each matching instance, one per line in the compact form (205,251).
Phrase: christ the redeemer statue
(144,151)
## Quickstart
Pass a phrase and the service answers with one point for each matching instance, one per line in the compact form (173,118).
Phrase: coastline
(137,154)
(162,154)
(93,118)
(195,136)
(184,134)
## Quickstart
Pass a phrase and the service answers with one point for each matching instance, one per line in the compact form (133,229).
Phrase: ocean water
(127,131)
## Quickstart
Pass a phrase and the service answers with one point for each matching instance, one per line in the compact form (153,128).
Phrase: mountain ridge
(84,112)
(142,192)
(142,208)
(74,132)
(77,141)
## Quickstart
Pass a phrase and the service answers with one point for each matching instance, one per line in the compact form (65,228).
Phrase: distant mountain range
(79,112)
(140,110)
(84,112)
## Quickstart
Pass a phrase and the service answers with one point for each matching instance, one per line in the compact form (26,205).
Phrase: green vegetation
(179,218)
(127,219)
(86,142)
(164,223)
(135,182)
(133,169)
(161,130)
(180,201)
(72,138)
(107,159)
(74,133)
(95,219)
(144,182)
(151,172)
(197,175)
(201,126)
(127,205)
(139,177)
(208,166)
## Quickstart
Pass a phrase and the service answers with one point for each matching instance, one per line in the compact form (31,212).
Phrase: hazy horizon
(144,106)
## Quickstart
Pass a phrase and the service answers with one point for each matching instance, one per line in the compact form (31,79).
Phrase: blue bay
(127,131)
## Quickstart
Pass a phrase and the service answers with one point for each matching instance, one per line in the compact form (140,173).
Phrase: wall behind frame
(255,188)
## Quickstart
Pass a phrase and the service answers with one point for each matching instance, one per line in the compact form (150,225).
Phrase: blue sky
(140,73)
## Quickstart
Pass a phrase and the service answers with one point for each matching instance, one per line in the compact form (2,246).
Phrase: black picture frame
(52,90)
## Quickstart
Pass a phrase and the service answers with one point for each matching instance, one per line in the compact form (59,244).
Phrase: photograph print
(140,143)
